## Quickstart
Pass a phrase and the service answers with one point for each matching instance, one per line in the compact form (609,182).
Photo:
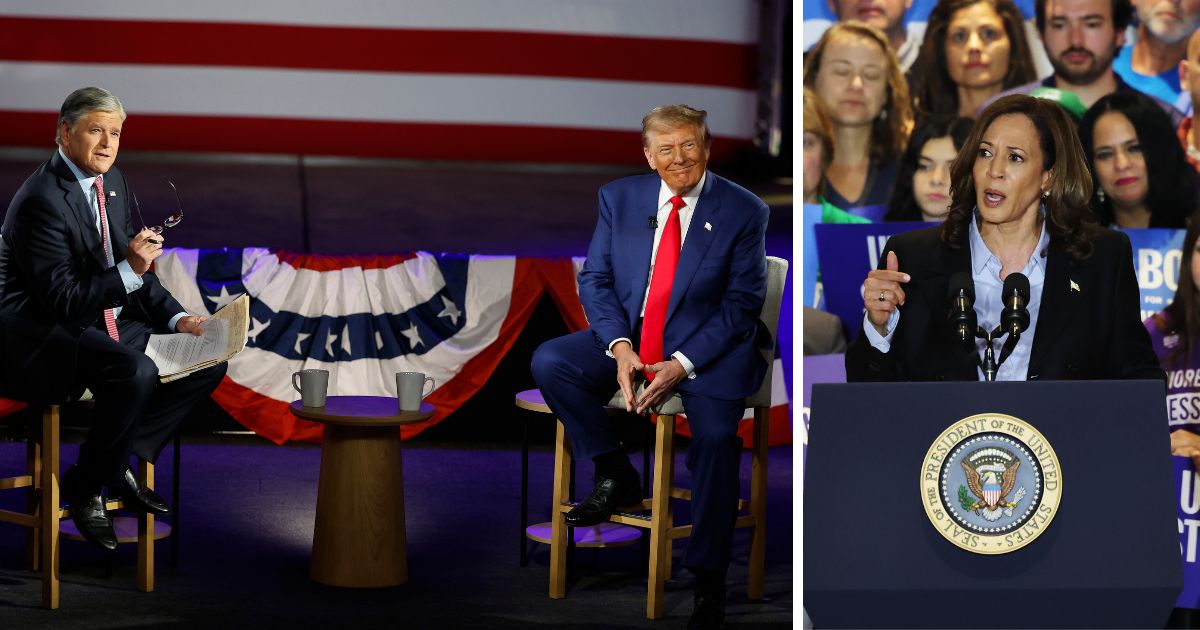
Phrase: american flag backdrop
(364,318)
(494,80)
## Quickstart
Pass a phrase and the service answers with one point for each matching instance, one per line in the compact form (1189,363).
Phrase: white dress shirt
(691,198)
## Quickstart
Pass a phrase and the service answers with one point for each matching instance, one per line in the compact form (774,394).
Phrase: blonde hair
(672,116)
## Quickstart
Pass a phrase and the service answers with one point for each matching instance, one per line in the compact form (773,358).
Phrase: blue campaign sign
(1187,487)
(1156,256)
(847,252)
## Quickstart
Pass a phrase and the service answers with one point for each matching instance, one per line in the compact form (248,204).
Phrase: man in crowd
(77,305)
(1081,38)
(673,285)
(887,16)
(1151,62)
(1189,80)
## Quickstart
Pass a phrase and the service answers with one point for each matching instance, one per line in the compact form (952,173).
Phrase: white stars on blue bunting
(450,310)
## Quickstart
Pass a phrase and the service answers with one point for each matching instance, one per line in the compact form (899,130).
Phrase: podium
(873,558)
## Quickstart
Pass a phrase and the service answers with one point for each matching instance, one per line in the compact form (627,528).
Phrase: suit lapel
(74,199)
(1059,302)
(698,239)
(640,241)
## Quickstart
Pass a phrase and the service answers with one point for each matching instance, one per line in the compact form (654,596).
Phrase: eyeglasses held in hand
(169,222)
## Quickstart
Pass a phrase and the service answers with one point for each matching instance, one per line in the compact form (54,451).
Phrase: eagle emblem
(991,474)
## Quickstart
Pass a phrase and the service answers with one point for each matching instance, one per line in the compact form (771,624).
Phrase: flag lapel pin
(1075,287)
(112,193)
(708,226)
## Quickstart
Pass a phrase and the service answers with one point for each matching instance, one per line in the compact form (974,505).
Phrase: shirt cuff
(882,343)
(128,277)
(687,365)
(175,321)
(615,342)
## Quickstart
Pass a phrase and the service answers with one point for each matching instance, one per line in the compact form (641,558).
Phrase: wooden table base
(359,539)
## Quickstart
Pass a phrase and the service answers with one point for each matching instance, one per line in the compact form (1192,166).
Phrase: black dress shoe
(607,495)
(88,512)
(137,498)
(709,611)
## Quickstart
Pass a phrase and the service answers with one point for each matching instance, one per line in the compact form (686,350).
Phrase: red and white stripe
(527,80)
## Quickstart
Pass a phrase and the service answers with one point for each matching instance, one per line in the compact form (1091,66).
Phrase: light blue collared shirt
(131,280)
(985,272)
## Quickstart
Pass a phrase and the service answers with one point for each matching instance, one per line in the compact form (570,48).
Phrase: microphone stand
(988,362)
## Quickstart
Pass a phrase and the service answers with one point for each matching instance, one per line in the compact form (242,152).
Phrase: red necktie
(110,319)
(665,261)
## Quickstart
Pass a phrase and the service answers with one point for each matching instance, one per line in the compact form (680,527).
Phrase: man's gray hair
(84,101)
(672,117)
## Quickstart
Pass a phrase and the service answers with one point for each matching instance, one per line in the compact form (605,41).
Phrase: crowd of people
(1021,174)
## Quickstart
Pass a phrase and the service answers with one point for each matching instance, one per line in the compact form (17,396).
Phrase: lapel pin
(708,226)
(1075,287)
(112,193)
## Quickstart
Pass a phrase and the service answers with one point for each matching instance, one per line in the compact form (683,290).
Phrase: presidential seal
(991,483)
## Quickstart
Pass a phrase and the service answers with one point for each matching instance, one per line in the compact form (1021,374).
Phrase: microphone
(1014,319)
(652,222)
(962,307)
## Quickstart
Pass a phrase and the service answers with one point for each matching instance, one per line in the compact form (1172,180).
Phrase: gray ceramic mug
(312,385)
(410,389)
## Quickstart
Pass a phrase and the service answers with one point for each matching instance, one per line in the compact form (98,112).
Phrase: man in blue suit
(673,284)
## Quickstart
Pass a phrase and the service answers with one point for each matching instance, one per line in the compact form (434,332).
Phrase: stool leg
(758,504)
(50,507)
(524,488)
(33,497)
(145,537)
(558,522)
(660,516)
(175,448)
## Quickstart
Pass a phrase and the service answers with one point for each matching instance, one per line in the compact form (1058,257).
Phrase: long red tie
(110,319)
(665,262)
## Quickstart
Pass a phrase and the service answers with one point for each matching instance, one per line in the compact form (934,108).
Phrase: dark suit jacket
(1093,331)
(53,280)
(719,288)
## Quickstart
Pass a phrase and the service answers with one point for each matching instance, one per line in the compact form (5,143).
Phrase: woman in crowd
(854,72)
(922,190)
(1019,204)
(818,153)
(1175,336)
(1142,175)
(973,50)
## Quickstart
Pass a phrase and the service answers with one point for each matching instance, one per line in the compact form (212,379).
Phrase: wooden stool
(46,513)
(599,536)
(660,520)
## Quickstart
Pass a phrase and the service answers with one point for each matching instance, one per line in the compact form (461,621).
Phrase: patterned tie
(665,261)
(110,319)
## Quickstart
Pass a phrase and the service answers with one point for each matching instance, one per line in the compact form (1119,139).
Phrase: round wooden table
(359,537)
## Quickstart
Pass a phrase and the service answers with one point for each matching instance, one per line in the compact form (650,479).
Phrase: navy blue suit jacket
(54,282)
(719,289)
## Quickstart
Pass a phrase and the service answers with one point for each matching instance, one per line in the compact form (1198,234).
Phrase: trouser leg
(123,379)
(713,458)
(577,379)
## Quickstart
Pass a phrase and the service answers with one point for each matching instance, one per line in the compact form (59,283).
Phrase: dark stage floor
(247,523)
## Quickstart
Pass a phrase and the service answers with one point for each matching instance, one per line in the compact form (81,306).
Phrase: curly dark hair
(936,93)
(1069,222)
(1173,185)
(903,206)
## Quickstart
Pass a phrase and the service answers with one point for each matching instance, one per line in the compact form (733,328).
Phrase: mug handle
(295,384)
(428,379)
